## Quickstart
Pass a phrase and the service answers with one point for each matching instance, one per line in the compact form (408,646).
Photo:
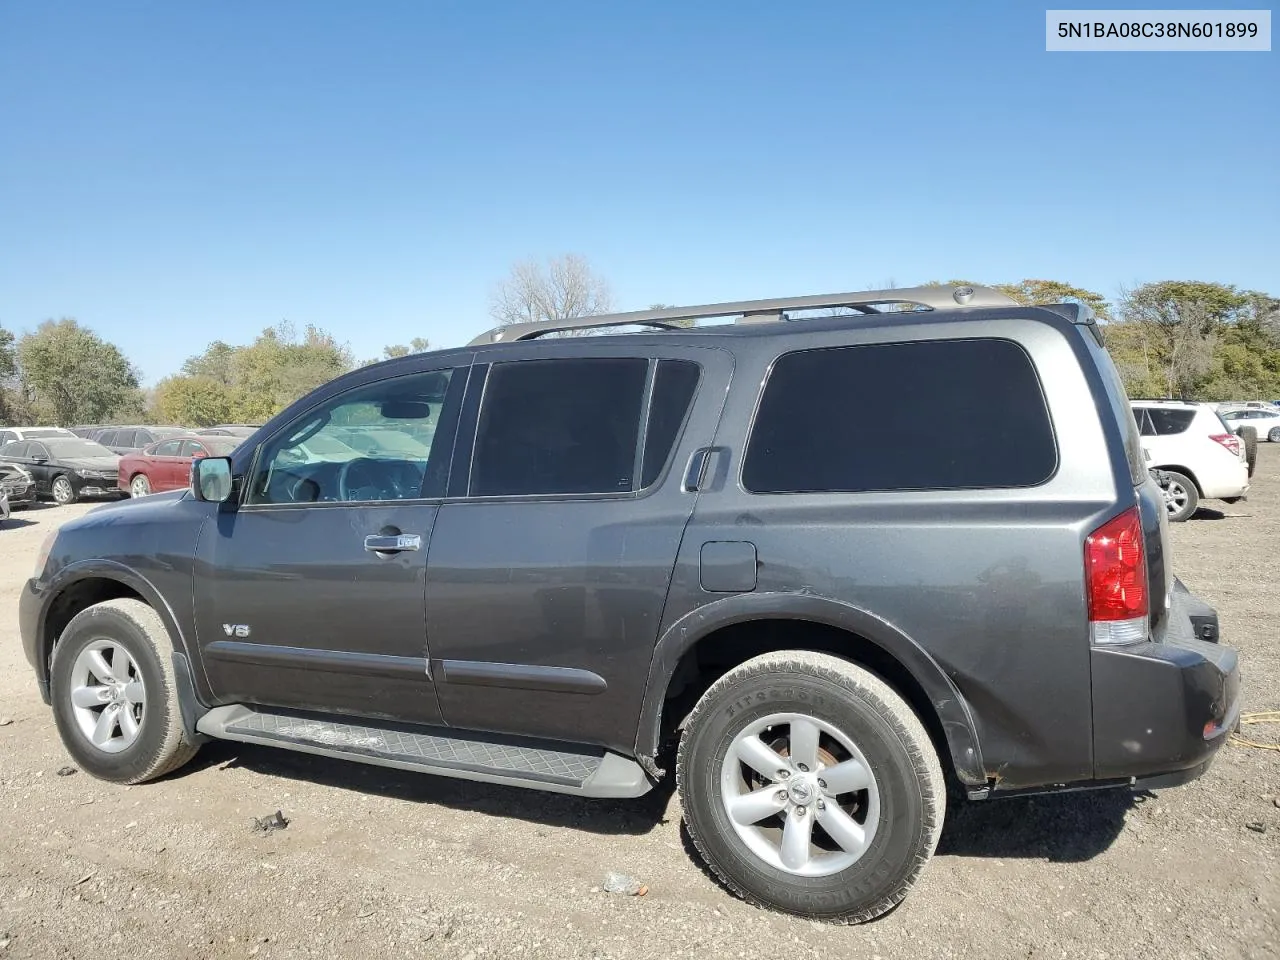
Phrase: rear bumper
(1161,709)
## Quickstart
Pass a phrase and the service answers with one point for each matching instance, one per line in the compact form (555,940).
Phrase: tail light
(1115,559)
(1228,440)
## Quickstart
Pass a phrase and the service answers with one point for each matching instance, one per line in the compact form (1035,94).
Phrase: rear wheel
(63,492)
(810,786)
(140,486)
(1274,435)
(1249,437)
(1181,499)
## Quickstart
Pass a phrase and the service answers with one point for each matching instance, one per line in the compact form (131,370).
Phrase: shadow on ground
(1062,828)
(1065,828)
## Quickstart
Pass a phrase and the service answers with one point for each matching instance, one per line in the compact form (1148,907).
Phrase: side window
(36,450)
(559,427)
(190,448)
(1144,422)
(170,448)
(108,438)
(125,438)
(383,441)
(16,448)
(847,419)
(7,436)
(1170,421)
(673,387)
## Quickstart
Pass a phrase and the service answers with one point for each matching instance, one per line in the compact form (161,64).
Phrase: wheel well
(79,596)
(1173,467)
(721,650)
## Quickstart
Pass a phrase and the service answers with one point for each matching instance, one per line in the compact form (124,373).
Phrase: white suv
(1265,423)
(1193,445)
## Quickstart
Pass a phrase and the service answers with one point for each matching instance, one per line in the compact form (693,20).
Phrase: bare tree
(563,288)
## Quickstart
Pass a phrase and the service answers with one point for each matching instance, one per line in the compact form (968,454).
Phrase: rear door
(168,464)
(551,560)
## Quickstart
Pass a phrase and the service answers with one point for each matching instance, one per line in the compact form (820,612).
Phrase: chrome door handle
(397,543)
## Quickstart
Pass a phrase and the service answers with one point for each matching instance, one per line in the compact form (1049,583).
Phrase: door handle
(394,543)
(695,471)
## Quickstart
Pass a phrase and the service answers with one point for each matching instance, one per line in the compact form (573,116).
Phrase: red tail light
(1115,559)
(1228,440)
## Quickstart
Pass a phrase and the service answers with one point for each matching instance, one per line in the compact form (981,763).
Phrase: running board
(538,764)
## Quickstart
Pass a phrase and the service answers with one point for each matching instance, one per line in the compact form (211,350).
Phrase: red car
(166,465)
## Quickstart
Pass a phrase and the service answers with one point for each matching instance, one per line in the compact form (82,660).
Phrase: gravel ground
(382,864)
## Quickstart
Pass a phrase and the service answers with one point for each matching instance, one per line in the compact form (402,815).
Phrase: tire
(1274,435)
(1181,498)
(140,486)
(1249,437)
(143,685)
(64,493)
(902,803)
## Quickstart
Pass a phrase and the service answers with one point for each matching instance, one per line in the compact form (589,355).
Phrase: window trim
(460,369)
(472,426)
(894,491)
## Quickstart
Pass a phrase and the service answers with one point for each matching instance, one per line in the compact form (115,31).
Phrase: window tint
(323,456)
(854,418)
(559,426)
(170,448)
(14,448)
(673,388)
(1167,421)
(37,450)
(107,438)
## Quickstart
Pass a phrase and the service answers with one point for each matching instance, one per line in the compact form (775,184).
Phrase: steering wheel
(344,477)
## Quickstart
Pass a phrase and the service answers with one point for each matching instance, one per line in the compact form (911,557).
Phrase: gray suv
(721,544)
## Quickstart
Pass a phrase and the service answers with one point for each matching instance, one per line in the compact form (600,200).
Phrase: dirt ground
(381,864)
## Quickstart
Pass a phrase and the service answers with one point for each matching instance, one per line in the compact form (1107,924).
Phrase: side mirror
(211,479)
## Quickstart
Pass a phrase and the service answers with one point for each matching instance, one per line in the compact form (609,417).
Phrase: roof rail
(939,297)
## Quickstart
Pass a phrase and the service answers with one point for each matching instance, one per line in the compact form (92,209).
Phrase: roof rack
(941,297)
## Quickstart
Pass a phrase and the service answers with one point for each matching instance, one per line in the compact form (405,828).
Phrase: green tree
(1037,292)
(198,401)
(1184,321)
(392,351)
(75,374)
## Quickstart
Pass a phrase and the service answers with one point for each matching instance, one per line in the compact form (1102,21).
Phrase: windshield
(63,447)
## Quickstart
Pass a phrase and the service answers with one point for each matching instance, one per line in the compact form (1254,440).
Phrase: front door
(550,561)
(310,595)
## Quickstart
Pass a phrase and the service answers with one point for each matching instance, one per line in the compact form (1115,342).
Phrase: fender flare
(952,709)
(189,702)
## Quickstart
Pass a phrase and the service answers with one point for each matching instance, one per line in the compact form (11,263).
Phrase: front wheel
(140,486)
(1274,435)
(63,492)
(114,694)
(810,786)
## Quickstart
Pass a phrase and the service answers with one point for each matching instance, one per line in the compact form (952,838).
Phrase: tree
(1037,292)
(75,374)
(565,288)
(253,383)
(394,350)
(8,370)
(1183,321)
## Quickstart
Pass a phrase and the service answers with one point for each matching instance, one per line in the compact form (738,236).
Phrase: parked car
(14,434)
(129,439)
(17,485)
(66,468)
(1191,443)
(241,430)
(1264,423)
(167,465)
(667,538)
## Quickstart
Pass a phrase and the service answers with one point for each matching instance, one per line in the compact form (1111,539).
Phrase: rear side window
(170,448)
(559,426)
(673,387)
(1166,421)
(931,415)
(107,438)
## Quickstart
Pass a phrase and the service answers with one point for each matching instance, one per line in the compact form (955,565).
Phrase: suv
(14,434)
(721,539)
(1197,451)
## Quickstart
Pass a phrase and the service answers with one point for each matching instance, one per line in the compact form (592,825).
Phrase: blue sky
(172,173)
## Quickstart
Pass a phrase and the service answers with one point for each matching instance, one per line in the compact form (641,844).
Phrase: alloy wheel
(108,696)
(800,794)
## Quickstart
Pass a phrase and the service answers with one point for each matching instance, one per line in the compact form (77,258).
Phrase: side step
(489,758)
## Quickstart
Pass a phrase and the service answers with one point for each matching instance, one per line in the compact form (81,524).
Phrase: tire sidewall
(135,761)
(1193,497)
(140,486)
(887,864)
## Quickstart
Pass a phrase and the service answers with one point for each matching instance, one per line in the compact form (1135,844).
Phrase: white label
(1152,31)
